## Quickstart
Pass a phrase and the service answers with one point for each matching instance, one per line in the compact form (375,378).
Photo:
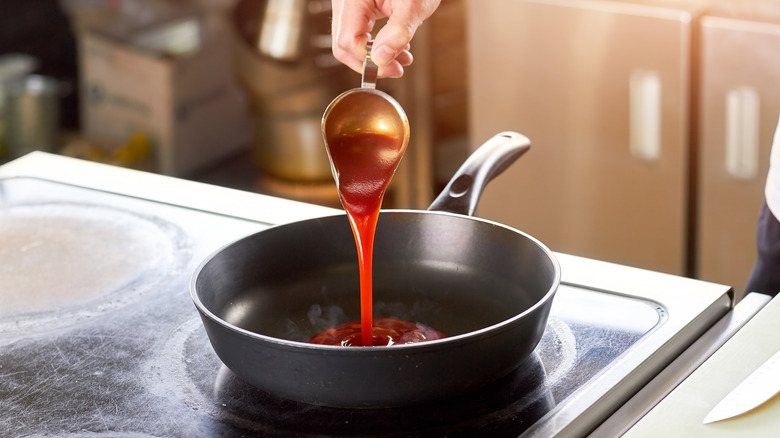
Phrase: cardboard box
(172,82)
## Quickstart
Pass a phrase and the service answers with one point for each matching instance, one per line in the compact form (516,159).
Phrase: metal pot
(276,62)
(488,286)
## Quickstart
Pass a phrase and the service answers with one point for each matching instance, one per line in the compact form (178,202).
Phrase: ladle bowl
(365,110)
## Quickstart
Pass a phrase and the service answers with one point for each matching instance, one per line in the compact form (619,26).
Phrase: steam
(322,318)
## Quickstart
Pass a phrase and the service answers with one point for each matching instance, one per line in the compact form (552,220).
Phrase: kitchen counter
(681,413)
(161,188)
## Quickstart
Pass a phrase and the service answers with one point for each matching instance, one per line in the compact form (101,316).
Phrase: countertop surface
(681,412)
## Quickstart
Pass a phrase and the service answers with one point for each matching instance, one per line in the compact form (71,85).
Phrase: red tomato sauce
(385,331)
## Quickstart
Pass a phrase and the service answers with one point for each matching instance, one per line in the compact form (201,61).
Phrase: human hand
(353,21)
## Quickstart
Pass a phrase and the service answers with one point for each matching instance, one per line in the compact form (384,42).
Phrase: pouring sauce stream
(364,164)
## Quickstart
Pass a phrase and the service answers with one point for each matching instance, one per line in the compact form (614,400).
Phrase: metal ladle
(365,132)
(365,110)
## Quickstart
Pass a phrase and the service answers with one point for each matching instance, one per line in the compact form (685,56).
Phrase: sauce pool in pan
(385,331)
(363,164)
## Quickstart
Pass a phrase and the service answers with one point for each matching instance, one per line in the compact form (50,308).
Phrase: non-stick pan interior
(454,273)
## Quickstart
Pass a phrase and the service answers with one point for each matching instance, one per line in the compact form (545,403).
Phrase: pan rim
(435,344)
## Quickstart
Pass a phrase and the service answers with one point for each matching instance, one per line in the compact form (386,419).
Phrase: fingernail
(382,55)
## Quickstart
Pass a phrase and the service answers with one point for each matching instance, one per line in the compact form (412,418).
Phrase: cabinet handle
(645,115)
(742,123)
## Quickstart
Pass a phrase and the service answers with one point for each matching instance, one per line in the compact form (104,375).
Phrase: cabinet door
(601,89)
(740,101)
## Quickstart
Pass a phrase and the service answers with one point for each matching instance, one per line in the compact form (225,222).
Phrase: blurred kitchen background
(651,120)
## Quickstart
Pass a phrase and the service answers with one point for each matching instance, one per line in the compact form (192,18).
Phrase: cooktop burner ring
(121,258)
(190,372)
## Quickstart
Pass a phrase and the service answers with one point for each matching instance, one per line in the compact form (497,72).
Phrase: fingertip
(405,58)
(394,70)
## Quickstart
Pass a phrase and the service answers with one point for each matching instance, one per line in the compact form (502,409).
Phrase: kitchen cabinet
(602,89)
(740,102)
(651,123)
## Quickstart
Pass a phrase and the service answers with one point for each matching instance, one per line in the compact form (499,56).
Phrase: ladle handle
(465,188)
(369,69)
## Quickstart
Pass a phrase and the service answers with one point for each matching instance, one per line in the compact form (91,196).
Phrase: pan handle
(464,189)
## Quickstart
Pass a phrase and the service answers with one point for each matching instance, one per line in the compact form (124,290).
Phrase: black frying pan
(488,286)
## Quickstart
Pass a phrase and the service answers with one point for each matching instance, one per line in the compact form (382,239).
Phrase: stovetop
(99,337)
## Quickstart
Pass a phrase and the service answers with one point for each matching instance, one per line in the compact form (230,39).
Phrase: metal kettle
(282,60)
(282,26)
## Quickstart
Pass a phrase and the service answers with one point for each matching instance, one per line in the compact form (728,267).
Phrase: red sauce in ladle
(364,164)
